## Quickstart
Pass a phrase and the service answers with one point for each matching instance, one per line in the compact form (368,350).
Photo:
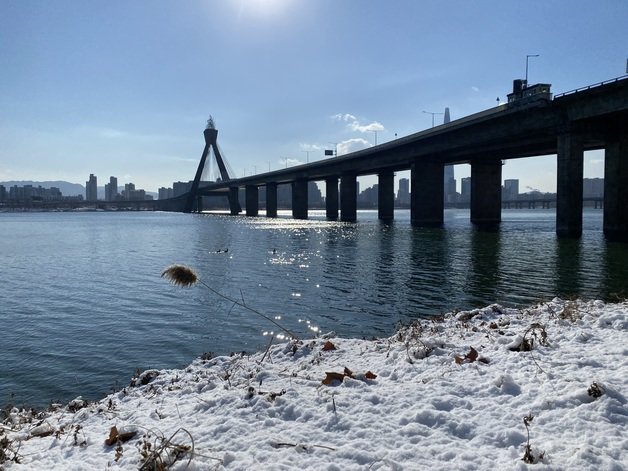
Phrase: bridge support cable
(427,193)
(569,173)
(616,186)
(349,198)
(228,166)
(486,192)
(386,196)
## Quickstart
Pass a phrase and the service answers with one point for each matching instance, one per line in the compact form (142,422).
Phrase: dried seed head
(180,275)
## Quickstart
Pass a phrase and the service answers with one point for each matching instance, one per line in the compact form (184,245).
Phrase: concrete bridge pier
(616,187)
(331,197)
(427,193)
(234,203)
(271,200)
(569,171)
(486,192)
(299,199)
(349,198)
(252,200)
(386,196)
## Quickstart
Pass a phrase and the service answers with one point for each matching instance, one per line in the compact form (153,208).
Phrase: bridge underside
(566,127)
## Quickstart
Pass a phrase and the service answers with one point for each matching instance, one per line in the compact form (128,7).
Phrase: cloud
(310,147)
(374,126)
(352,145)
(288,162)
(355,125)
(475,89)
(344,117)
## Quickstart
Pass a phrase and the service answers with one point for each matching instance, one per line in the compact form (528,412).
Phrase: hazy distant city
(16,195)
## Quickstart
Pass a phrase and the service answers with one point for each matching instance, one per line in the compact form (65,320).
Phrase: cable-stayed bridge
(530,124)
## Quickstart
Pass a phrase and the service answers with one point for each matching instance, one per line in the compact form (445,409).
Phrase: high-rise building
(91,188)
(369,197)
(284,196)
(111,189)
(165,193)
(314,196)
(592,187)
(510,190)
(180,188)
(403,194)
(465,190)
(449,178)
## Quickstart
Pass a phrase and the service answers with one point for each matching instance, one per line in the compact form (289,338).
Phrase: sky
(124,89)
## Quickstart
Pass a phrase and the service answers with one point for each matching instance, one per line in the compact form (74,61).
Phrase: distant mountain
(67,188)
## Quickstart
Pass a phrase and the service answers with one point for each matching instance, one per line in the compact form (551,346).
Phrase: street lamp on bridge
(527,58)
(432,113)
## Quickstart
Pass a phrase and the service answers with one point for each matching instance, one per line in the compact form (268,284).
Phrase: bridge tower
(211,135)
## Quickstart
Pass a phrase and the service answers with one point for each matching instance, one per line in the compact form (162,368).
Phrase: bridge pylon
(211,142)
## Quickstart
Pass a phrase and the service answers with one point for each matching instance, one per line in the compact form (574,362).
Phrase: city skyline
(126,88)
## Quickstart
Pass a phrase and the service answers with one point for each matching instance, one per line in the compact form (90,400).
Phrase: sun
(263,8)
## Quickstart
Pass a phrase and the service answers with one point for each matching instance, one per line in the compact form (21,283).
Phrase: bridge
(594,117)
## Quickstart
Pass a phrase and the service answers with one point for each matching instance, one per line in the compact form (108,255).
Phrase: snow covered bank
(449,394)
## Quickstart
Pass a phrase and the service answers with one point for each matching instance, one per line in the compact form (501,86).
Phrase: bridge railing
(588,87)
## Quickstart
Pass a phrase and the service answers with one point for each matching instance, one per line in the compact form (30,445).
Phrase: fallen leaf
(330,377)
(333,376)
(472,355)
(468,358)
(113,436)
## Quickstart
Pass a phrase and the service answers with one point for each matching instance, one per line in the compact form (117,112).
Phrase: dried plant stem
(270,344)
(241,304)
(296,445)
(181,275)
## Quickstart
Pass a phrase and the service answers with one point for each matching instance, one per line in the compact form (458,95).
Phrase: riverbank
(492,388)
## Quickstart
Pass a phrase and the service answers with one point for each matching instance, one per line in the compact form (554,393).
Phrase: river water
(83,304)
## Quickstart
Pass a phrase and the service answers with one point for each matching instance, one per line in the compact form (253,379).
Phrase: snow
(447,394)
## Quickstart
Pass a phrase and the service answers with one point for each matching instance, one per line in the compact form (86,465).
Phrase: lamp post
(375,132)
(432,113)
(307,155)
(527,58)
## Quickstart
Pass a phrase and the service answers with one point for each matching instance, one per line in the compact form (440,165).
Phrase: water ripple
(83,303)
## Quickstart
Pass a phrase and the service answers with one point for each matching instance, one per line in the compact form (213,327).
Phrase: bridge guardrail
(588,87)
